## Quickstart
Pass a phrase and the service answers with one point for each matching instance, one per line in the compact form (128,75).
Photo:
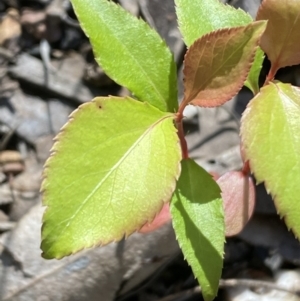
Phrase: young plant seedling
(119,160)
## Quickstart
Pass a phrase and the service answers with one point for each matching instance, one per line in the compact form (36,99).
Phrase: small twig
(69,21)
(45,51)
(146,13)
(31,283)
(10,185)
(7,137)
(181,296)
(149,281)
(231,113)
(256,284)
(7,54)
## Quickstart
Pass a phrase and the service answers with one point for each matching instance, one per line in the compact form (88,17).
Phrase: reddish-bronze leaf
(281,40)
(238,194)
(216,65)
(163,217)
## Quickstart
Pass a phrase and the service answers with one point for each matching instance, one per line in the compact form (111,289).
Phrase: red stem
(271,74)
(246,168)
(180,110)
(184,149)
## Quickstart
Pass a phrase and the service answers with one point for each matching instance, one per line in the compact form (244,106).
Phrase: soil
(47,70)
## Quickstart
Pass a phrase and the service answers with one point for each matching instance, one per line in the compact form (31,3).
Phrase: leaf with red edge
(238,194)
(281,40)
(270,132)
(191,12)
(216,66)
(113,166)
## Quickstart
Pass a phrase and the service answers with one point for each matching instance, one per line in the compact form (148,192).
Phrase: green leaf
(216,65)
(112,168)
(253,76)
(199,17)
(281,38)
(130,52)
(271,138)
(198,220)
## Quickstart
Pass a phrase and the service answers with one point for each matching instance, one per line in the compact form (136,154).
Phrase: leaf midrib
(117,164)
